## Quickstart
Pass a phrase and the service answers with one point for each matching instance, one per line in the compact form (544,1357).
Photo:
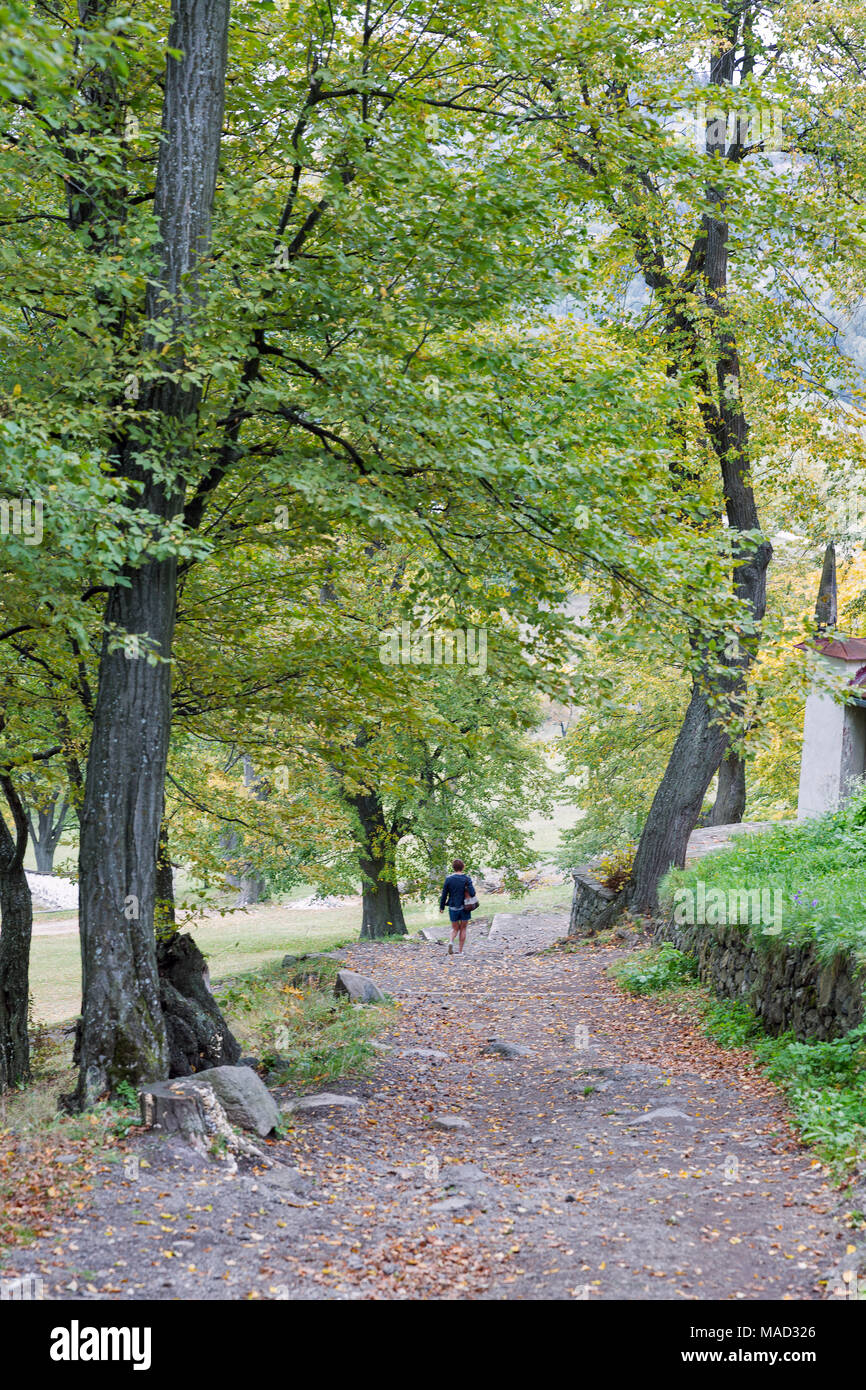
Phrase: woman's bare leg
(462,925)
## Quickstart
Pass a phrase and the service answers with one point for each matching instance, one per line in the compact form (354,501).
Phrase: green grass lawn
(241,941)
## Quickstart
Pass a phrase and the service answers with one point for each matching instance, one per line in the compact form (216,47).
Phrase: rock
(438,934)
(497,1047)
(359,989)
(593,906)
(664,1112)
(288,961)
(457,1173)
(289,1179)
(249,1062)
(427,1054)
(449,1122)
(449,1204)
(323,1101)
(242,1094)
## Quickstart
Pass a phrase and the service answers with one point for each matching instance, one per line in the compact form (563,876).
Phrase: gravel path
(618,1155)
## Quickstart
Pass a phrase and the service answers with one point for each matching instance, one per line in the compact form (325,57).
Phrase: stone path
(617,1155)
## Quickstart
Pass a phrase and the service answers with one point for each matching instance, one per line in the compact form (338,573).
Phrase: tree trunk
(701,742)
(730,803)
(123,1035)
(46,830)
(677,803)
(198,1035)
(382,912)
(16,925)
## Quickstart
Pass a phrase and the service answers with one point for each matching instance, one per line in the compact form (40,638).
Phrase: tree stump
(173,1111)
(198,1035)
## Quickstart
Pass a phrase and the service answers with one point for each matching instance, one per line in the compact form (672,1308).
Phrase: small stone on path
(499,1048)
(322,1101)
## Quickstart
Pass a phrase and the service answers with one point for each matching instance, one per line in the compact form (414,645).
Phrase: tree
(123,1032)
(47,818)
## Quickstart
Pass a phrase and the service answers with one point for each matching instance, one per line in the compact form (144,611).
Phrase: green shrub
(658,968)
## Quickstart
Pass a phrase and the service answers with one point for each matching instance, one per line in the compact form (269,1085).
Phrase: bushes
(659,968)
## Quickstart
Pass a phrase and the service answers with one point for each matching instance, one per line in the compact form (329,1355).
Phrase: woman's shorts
(459,914)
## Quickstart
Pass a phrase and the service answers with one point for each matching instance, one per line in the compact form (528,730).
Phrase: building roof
(844,649)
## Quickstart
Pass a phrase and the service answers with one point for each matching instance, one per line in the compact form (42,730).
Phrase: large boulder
(242,1094)
(359,989)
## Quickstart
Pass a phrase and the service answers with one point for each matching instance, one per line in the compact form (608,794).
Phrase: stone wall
(787,987)
(593,907)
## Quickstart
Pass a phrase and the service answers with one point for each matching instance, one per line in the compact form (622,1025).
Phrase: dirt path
(622,1156)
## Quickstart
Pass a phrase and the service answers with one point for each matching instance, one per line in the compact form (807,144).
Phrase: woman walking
(459,895)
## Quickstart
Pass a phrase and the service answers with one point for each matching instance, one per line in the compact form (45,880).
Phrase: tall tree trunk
(382,911)
(730,803)
(16,925)
(123,1036)
(700,744)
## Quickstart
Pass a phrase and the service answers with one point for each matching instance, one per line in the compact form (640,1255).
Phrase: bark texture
(198,1036)
(382,912)
(730,804)
(16,925)
(123,1034)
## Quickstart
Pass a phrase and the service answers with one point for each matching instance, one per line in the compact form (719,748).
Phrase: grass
(824,1083)
(654,970)
(816,869)
(293,1023)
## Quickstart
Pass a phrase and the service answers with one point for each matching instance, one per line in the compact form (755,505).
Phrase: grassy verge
(812,874)
(291,1021)
(824,1083)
